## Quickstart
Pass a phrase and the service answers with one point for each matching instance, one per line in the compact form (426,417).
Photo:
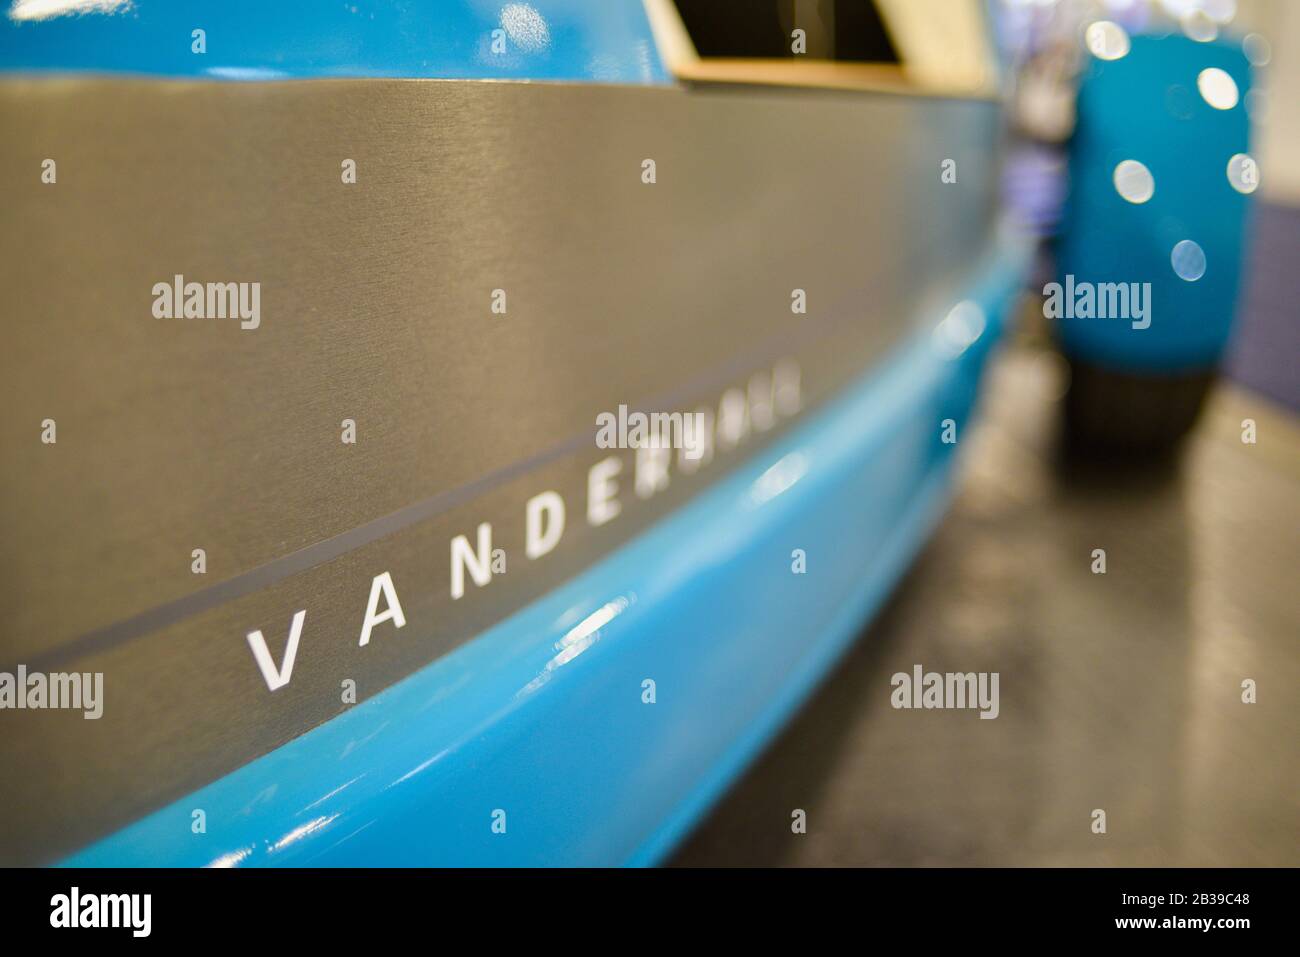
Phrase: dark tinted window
(836,29)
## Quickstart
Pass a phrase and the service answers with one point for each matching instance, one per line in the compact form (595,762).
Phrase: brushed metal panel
(177,434)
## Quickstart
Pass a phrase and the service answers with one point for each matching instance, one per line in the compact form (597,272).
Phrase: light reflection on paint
(418,768)
(298,833)
(578,639)
(325,797)
(779,478)
(27,10)
(526,27)
(960,329)
(233,859)
(355,743)
(246,73)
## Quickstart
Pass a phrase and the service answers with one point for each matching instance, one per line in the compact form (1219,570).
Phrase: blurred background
(1119,691)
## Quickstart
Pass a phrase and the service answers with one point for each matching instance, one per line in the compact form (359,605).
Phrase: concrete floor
(1119,691)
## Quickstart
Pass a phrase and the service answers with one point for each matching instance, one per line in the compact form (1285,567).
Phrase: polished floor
(1119,691)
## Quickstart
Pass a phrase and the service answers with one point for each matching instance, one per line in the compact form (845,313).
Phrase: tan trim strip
(943,46)
(820,74)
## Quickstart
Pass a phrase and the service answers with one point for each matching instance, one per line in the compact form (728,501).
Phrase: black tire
(1139,416)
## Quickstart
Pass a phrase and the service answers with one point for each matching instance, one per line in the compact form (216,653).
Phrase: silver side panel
(375,306)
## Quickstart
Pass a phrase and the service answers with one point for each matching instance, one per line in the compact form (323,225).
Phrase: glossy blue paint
(542,716)
(1146,106)
(605,42)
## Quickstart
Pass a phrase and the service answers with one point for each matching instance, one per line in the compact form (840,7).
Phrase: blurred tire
(1138,415)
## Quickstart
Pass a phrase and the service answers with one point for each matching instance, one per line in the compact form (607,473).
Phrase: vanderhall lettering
(768,396)
(76,909)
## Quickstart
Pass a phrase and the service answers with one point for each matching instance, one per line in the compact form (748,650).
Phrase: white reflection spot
(1243,172)
(230,860)
(1106,40)
(1217,88)
(525,27)
(329,794)
(298,833)
(1188,260)
(48,9)
(1134,181)
(579,638)
(1200,26)
(1257,49)
(246,73)
(1256,105)
(604,67)
(780,477)
(959,330)
(423,765)
(1220,11)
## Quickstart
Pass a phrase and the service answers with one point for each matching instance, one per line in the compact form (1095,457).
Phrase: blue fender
(541,724)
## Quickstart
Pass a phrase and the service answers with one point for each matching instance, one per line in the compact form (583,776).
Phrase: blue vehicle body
(608,42)
(541,722)
(542,717)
